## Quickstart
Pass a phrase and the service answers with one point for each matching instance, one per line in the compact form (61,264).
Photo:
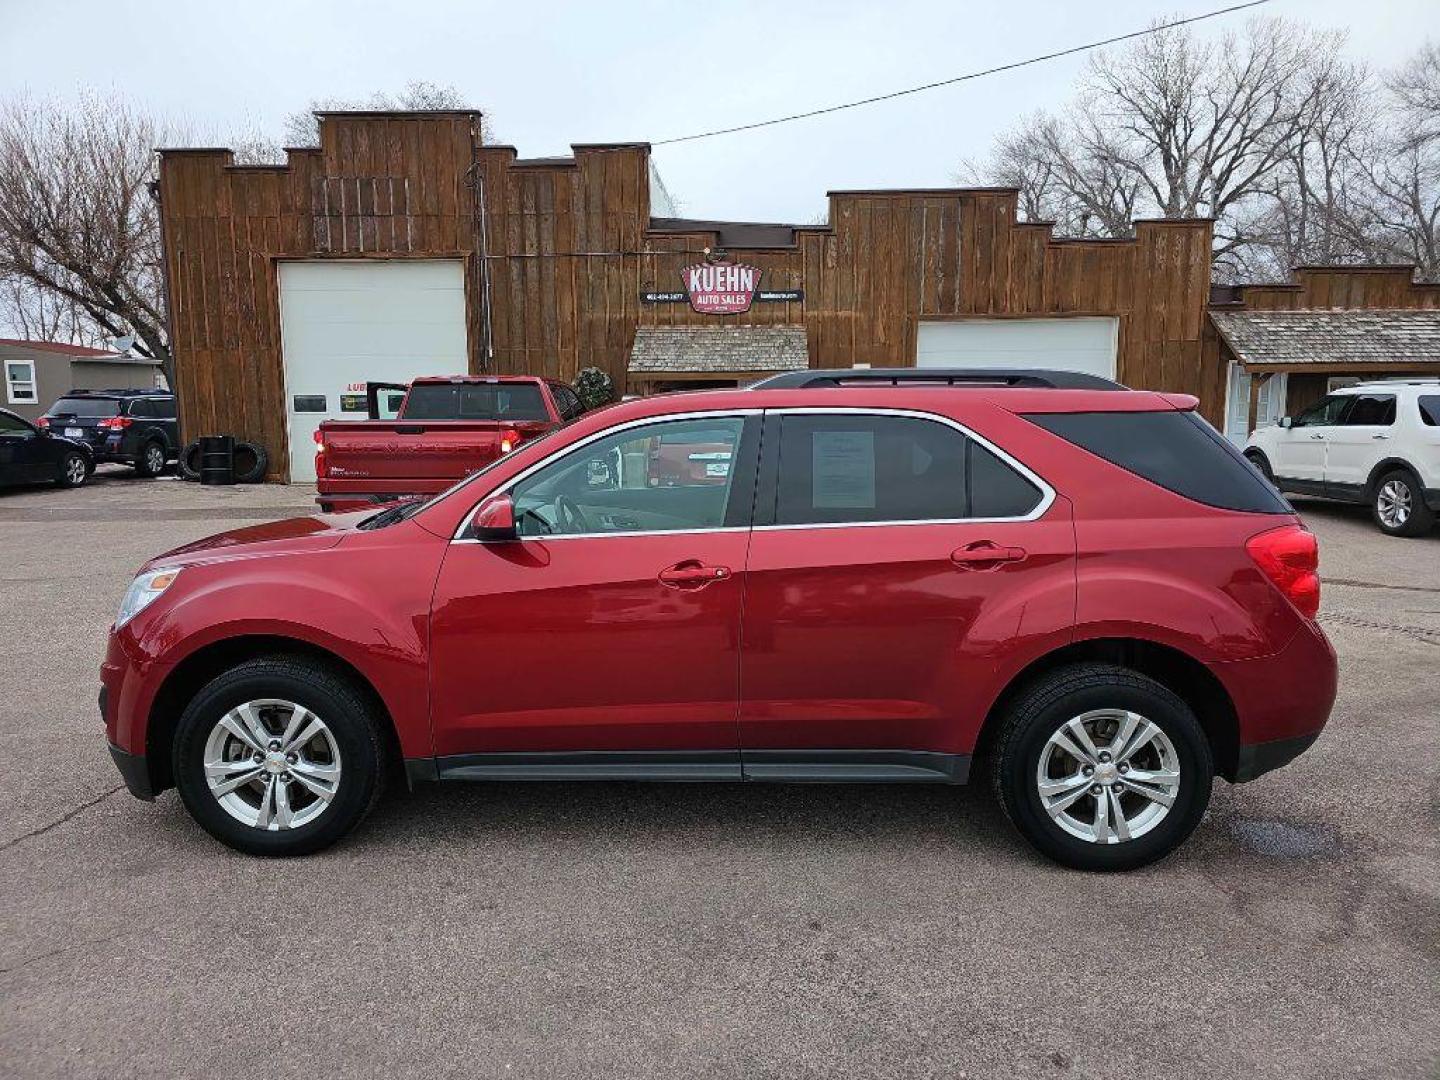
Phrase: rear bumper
(1257,759)
(135,771)
(1282,702)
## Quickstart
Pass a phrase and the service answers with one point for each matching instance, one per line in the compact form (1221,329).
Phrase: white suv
(1376,443)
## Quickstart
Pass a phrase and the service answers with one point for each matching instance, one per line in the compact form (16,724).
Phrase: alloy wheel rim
(75,470)
(272,765)
(155,459)
(1108,776)
(1393,504)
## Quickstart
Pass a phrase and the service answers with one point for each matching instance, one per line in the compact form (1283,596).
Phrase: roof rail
(1021,377)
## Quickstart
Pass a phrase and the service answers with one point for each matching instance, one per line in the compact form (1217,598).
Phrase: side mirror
(494,522)
(1287,422)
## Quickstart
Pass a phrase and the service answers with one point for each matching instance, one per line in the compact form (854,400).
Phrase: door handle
(1379,435)
(1317,436)
(692,574)
(985,555)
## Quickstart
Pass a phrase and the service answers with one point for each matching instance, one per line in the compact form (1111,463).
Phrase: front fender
(367,604)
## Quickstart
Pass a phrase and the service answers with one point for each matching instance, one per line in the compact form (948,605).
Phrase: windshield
(84,406)
(406,511)
(475,401)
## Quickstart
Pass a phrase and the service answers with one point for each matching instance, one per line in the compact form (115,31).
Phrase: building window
(20,384)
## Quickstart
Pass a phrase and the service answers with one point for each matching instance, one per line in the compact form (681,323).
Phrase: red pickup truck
(446,428)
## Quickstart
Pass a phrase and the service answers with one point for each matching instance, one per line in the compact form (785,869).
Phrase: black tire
(1261,462)
(1047,705)
(69,474)
(251,461)
(151,461)
(1419,520)
(328,694)
(188,464)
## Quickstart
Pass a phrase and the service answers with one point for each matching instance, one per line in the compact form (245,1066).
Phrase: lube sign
(721,288)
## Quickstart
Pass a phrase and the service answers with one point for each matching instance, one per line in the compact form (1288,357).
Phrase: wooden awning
(704,352)
(1333,341)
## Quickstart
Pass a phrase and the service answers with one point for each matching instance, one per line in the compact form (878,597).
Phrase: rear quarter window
(1430,410)
(1176,450)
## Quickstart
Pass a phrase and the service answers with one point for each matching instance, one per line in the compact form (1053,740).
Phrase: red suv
(895,575)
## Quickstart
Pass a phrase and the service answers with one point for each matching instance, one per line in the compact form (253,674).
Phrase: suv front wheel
(278,756)
(1102,768)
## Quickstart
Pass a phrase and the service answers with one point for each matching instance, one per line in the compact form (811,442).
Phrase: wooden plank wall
(570,250)
(227,227)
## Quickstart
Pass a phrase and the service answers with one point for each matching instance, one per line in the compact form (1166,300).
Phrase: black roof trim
(1020,377)
(119,391)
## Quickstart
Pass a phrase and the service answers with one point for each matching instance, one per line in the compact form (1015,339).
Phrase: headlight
(143,591)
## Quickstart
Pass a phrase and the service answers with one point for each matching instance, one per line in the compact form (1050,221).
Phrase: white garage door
(343,324)
(1073,344)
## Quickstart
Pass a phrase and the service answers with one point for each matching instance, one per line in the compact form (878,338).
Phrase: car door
(1300,449)
(895,558)
(1358,444)
(606,641)
(22,460)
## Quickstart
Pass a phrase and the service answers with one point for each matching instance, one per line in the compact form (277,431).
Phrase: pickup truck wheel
(1399,505)
(1102,768)
(278,756)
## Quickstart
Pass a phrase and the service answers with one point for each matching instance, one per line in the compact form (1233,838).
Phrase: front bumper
(135,771)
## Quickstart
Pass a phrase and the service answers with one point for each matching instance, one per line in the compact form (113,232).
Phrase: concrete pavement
(673,930)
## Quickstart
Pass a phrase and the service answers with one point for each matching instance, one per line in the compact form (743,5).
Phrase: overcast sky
(552,74)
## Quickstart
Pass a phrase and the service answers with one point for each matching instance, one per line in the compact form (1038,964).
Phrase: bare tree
(1174,126)
(1401,177)
(419,95)
(77,224)
(35,314)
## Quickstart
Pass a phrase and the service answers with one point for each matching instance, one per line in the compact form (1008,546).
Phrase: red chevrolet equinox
(849,577)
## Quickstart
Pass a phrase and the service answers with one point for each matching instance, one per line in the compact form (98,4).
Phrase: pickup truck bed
(447,428)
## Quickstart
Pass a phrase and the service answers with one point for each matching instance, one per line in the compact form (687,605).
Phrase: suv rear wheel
(1102,768)
(1399,505)
(151,461)
(278,756)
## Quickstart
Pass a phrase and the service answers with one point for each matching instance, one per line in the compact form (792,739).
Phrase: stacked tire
(251,462)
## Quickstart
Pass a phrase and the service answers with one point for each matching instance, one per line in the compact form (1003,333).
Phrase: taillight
(115,423)
(509,441)
(319,454)
(42,421)
(1290,558)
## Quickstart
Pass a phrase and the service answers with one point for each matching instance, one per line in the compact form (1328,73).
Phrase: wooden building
(403,246)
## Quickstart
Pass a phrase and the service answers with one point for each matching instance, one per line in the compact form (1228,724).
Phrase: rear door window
(1430,410)
(1176,450)
(843,469)
(1371,410)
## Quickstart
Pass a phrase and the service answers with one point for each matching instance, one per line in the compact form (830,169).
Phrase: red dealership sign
(721,288)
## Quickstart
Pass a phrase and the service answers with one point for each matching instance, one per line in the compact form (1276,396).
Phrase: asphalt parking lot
(675,930)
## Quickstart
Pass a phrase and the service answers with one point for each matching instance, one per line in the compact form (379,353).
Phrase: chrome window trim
(605,433)
(1047,493)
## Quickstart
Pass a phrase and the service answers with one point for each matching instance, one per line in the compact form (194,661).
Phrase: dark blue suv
(135,427)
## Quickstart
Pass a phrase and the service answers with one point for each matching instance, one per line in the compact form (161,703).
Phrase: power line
(959,78)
